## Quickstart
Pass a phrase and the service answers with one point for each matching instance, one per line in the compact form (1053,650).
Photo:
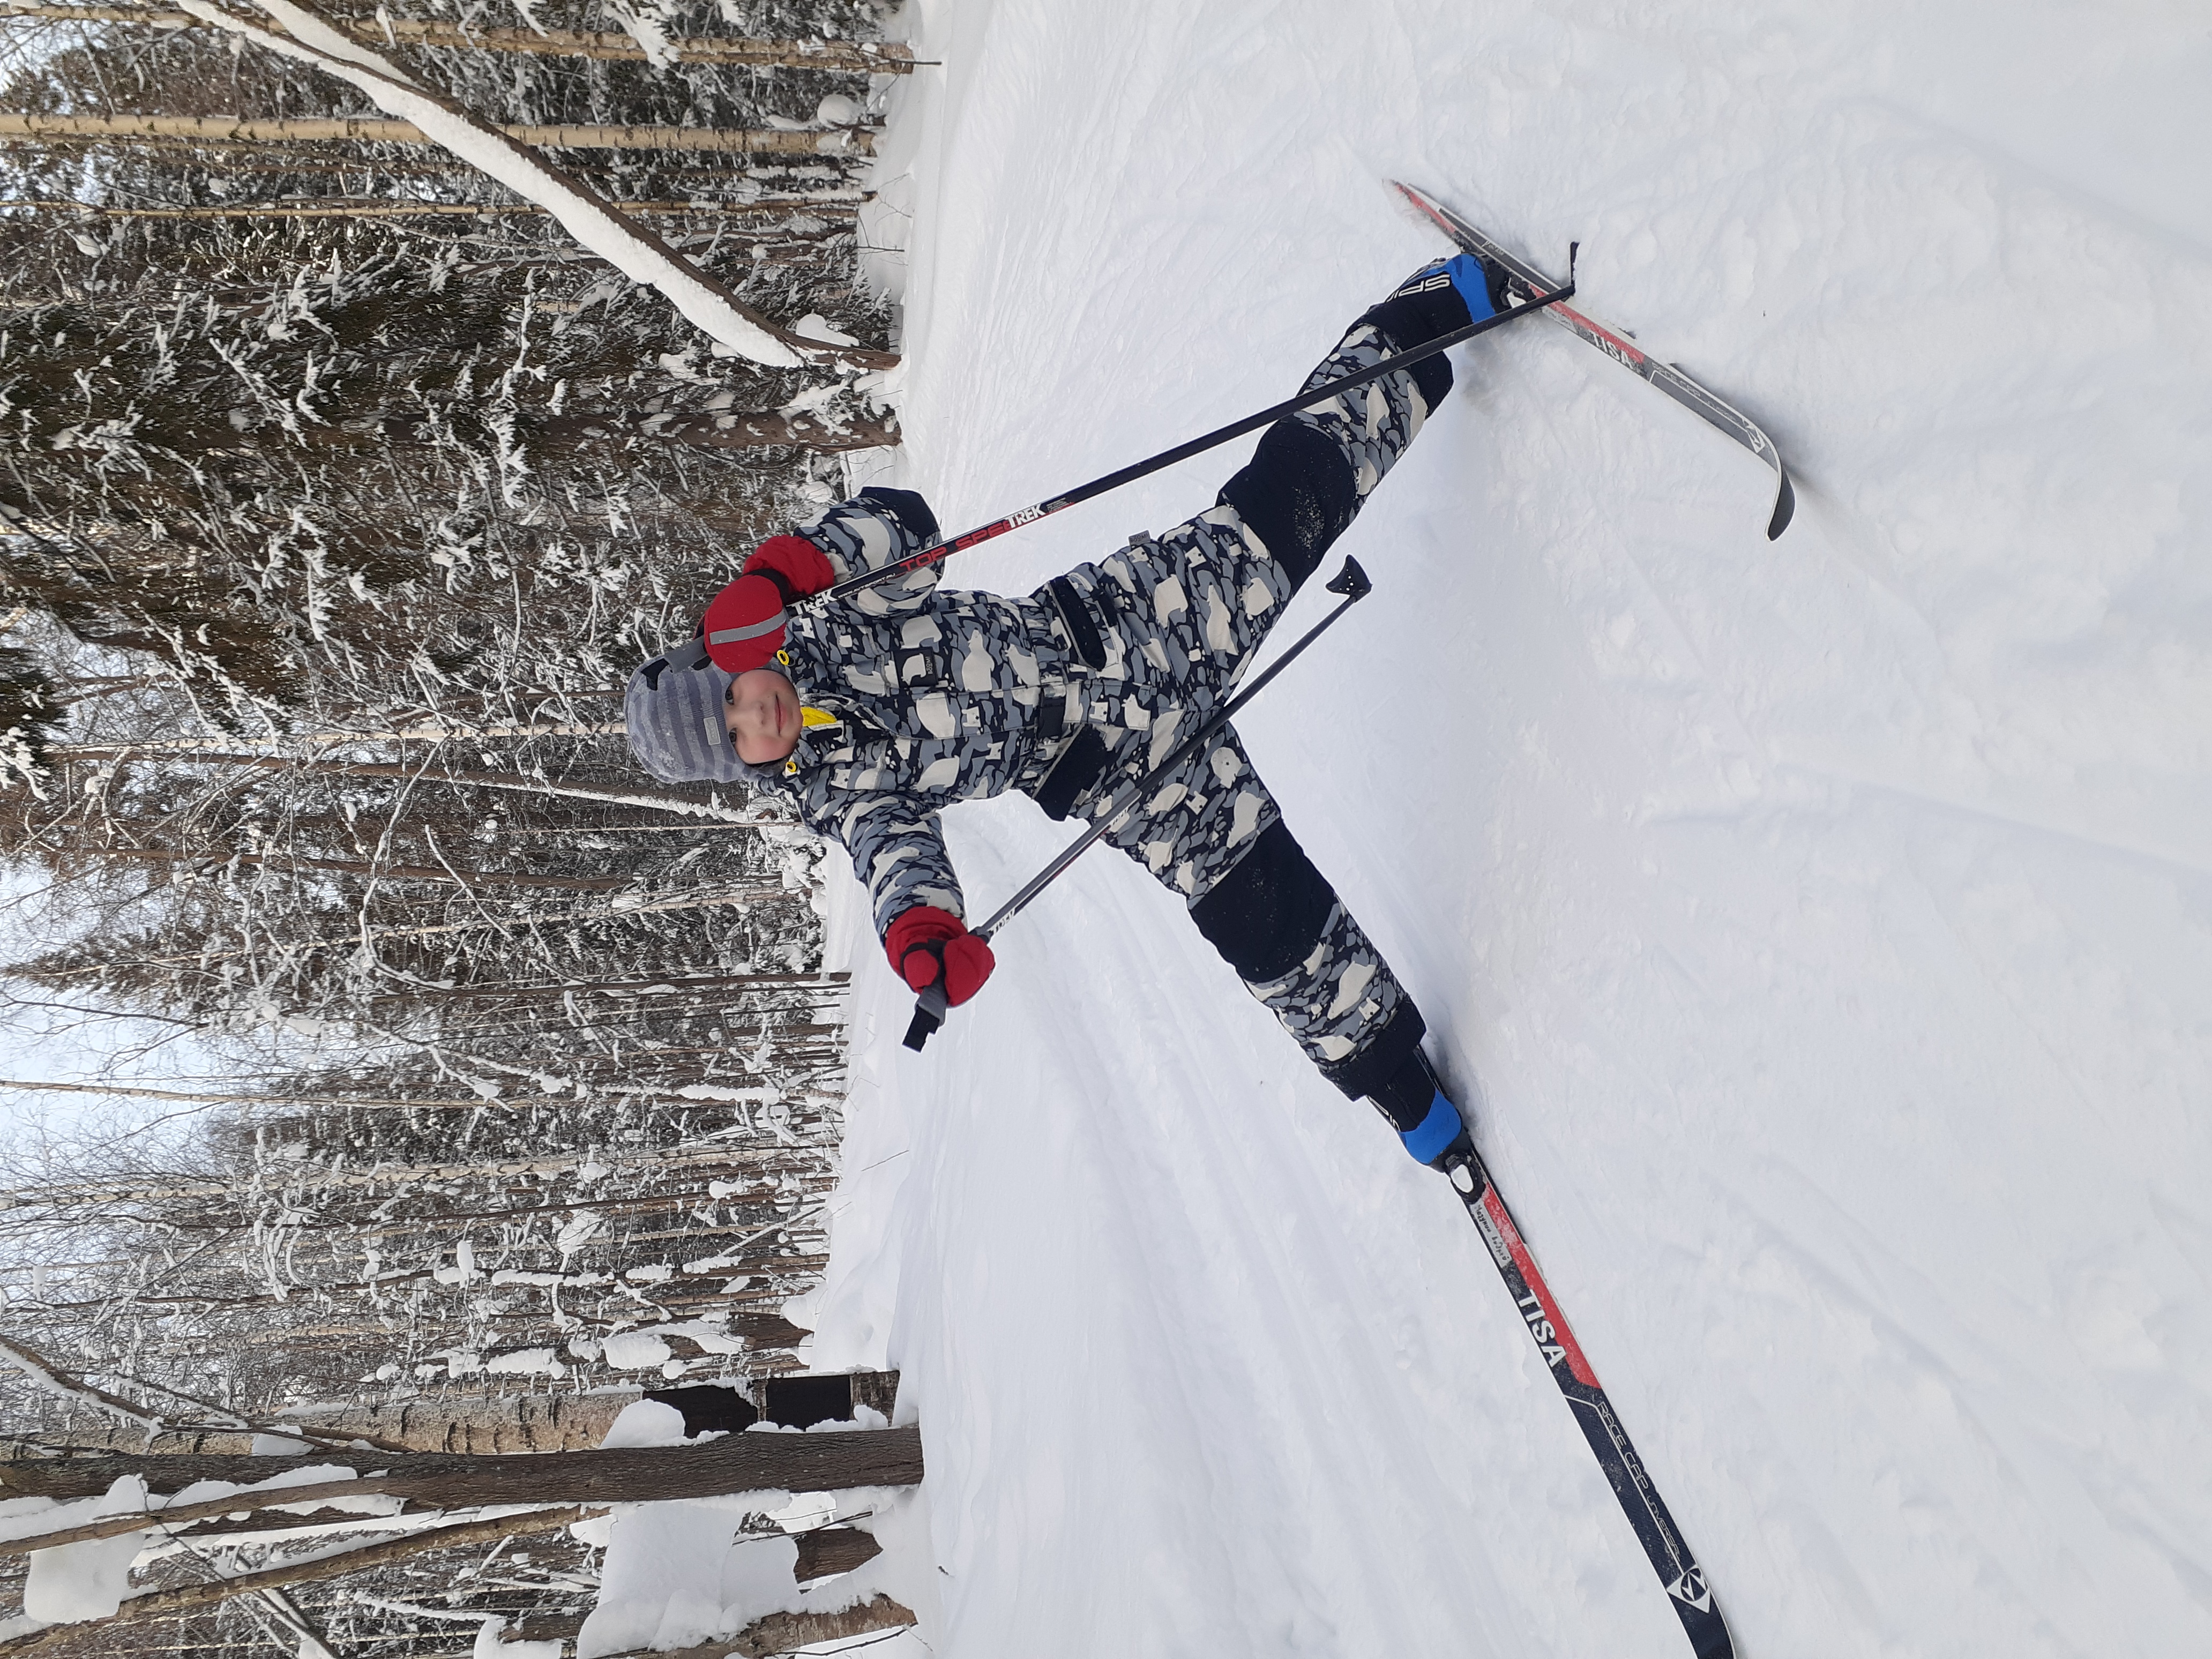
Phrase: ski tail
(1684,1579)
(1524,281)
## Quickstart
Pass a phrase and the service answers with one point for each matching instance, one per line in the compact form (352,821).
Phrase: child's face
(762,711)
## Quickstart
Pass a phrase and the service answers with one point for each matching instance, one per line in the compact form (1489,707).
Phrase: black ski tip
(1785,503)
(1710,1635)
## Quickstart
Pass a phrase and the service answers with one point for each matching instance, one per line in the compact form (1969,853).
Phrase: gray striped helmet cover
(672,715)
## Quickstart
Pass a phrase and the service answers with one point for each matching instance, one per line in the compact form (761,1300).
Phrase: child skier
(876,711)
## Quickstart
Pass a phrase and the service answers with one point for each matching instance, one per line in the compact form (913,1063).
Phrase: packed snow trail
(1826,924)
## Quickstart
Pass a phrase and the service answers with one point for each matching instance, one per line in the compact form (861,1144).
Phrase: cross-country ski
(1684,1580)
(1526,283)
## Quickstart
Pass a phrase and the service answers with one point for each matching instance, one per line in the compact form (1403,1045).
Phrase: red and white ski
(1646,1511)
(1524,281)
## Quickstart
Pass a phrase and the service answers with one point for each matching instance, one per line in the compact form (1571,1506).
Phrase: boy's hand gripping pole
(1320,394)
(930,1007)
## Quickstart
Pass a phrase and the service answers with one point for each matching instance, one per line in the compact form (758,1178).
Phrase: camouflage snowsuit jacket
(1072,693)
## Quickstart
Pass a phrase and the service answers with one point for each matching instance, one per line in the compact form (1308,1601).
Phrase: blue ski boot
(1480,287)
(1436,300)
(1430,1127)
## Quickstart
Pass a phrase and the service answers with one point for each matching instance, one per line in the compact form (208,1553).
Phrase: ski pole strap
(937,551)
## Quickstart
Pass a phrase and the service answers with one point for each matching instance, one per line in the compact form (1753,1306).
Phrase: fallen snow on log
(683,1572)
(88,1580)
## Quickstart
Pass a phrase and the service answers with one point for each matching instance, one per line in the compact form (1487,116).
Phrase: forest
(402,1066)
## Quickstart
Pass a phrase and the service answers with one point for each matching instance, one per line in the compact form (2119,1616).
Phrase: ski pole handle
(929,1011)
(937,551)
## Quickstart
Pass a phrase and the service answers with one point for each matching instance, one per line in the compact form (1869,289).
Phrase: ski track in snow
(1826,925)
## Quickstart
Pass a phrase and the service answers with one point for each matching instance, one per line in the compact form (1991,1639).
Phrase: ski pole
(930,1007)
(1321,393)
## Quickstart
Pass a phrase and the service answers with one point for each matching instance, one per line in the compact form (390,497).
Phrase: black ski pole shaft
(1321,393)
(930,1007)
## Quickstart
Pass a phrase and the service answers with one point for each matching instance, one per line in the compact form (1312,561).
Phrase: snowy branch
(184,1597)
(636,249)
(114,1526)
(46,1374)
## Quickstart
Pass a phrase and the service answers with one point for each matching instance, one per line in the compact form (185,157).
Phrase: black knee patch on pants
(1411,319)
(1266,914)
(1298,494)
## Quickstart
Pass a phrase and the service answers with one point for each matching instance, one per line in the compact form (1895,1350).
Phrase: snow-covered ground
(1826,925)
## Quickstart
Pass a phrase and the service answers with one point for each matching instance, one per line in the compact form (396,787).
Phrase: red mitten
(923,938)
(745,622)
(805,567)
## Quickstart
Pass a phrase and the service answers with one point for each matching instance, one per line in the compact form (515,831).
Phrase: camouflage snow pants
(1165,627)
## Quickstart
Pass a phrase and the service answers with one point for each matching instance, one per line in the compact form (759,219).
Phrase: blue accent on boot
(1427,1141)
(1473,282)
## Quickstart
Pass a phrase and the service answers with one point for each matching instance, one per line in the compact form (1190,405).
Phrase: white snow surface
(1825,925)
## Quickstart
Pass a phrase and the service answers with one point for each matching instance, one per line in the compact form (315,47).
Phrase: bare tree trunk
(847,56)
(828,1550)
(665,800)
(711,429)
(781,1632)
(676,985)
(672,1159)
(114,1526)
(370,207)
(505,1425)
(736,1463)
(377,129)
(501,1425)
(384,871)
(184,1597)
(724,431)
(420,732)
(704,902)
